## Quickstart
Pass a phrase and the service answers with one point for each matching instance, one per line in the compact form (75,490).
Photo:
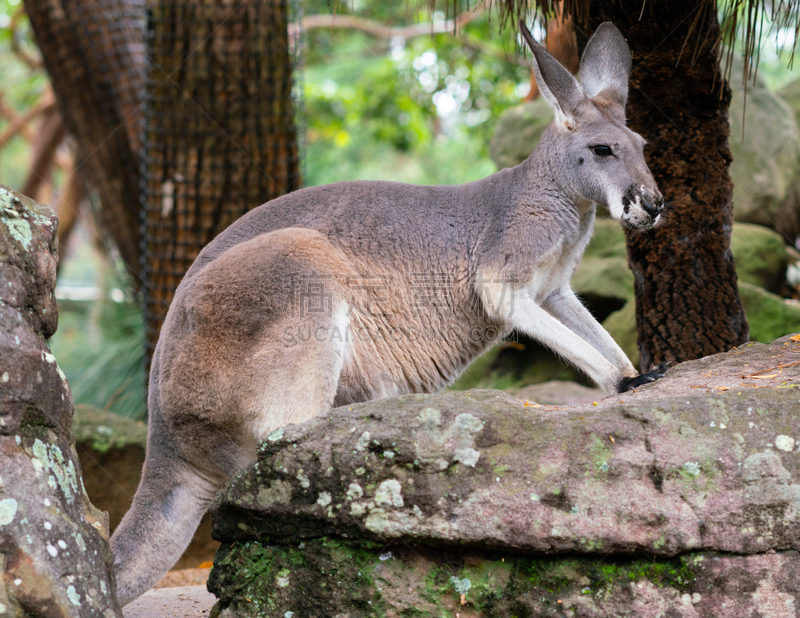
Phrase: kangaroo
(361,290)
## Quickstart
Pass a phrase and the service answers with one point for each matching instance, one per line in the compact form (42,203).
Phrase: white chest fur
(558,266)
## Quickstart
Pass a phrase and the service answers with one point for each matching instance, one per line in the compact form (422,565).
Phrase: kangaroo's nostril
(648,206)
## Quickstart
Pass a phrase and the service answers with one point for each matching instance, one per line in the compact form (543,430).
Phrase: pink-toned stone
(690,467)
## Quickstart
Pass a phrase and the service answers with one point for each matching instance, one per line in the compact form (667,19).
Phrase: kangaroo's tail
(167,508)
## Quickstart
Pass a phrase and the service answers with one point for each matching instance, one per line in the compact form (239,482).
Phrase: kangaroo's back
(385,224)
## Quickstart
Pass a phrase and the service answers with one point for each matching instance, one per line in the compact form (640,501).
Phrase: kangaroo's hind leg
(234,363)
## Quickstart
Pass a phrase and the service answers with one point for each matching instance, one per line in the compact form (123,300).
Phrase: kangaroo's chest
(558,266)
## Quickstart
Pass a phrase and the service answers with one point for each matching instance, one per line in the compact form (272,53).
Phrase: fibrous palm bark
(220,135)
(687,300)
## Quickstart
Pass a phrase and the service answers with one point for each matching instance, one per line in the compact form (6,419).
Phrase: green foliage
(101,353)
(417,110)
(557,575)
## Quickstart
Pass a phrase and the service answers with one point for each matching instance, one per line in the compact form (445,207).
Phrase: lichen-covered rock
(705,460)
(54,550)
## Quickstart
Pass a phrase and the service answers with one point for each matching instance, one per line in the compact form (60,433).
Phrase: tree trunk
(93,52)
(220,136)
(687,300)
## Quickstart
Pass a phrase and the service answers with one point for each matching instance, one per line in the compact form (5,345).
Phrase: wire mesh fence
(219,134)
(93,51)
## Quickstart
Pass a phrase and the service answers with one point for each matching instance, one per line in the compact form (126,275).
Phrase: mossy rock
(104,430)
(330,577)
(518,132)
(769,315)
(621,325)
(605,284)
(608,240)
(760,256)
(603,281)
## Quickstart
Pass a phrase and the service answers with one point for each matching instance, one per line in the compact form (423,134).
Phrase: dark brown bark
(73,193)
(687,300)
(220,135)
(93,52)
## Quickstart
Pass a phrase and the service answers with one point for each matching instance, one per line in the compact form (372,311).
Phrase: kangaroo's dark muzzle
(654,206)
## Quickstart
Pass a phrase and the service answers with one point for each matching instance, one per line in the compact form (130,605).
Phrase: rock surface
(664,501)
(760,256)
(518,131)
(54,550)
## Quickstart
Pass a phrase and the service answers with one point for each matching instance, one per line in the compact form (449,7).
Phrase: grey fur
(606,65)
(244,350)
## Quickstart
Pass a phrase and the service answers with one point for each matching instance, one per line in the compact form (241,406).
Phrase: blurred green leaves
(417,110)
(99,347)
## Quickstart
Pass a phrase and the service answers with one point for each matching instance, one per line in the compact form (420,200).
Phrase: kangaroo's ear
(606,65)
(557,85)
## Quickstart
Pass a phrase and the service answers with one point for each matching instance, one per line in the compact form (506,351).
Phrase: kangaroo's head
(599,159)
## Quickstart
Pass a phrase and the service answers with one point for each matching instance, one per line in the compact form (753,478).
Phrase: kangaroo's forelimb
(565,306)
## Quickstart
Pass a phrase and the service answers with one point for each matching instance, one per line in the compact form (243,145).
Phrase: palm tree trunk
(220,135)
(687,300)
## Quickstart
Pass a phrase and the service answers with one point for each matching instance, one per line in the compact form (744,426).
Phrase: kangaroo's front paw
(643,378)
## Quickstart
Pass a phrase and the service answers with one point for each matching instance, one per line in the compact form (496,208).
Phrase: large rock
(769,315)
(518,131)
(54,550)
(680,499)
(766,156)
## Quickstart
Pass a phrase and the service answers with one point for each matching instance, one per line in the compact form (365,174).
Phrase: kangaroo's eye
(601,150)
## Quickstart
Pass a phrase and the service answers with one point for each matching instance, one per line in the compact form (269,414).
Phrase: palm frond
(748,22)
(743,23)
